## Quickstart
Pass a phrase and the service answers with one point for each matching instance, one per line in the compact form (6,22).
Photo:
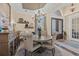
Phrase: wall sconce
(72,10)
(72,4)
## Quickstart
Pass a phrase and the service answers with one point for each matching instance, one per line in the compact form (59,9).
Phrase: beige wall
(48,23)
(26,16)
(15,15)
(67,10)
(4,8)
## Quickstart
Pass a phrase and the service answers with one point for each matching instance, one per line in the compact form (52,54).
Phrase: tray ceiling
(33,6)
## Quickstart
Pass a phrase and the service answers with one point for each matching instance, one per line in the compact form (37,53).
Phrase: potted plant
(65,35)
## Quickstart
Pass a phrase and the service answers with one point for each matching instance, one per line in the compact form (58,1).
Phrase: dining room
(37,29)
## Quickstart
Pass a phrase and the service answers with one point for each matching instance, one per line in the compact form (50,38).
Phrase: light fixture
(72,4)
(72,10)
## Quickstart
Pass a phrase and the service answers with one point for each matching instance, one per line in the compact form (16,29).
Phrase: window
(75,27)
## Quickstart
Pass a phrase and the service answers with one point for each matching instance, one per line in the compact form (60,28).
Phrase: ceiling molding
(48,8)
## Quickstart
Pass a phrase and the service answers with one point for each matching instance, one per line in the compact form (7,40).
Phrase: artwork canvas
(40,22)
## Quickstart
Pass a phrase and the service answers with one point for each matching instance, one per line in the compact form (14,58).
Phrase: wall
(67,10)
(4,15)
(26,16)
(30,17)
(4,8)
(48,23)
(49,16)
(67,20)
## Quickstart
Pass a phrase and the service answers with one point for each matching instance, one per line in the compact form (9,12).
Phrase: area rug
(39,52)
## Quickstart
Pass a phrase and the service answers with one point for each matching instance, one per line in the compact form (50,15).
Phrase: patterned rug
(39,52)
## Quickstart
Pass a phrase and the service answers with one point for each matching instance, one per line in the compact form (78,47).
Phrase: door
(57,27)
(74,32)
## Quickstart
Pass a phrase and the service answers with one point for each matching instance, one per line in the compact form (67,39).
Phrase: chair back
(29,41)
(54,35)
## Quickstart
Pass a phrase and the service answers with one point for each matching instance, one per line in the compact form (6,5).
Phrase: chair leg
(25,52)
(30,53)
(53,51)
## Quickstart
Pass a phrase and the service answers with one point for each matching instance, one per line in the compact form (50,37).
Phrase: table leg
(51,42)
(53,51)
(25,52)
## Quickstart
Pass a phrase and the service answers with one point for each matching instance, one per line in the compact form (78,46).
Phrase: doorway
(57,27)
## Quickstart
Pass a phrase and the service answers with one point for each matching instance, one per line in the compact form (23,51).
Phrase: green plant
(65,35)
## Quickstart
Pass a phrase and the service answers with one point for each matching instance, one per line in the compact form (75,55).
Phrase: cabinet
(4,44)
(8,44)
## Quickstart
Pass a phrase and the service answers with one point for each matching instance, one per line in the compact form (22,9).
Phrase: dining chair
(50,45)
(29,44)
